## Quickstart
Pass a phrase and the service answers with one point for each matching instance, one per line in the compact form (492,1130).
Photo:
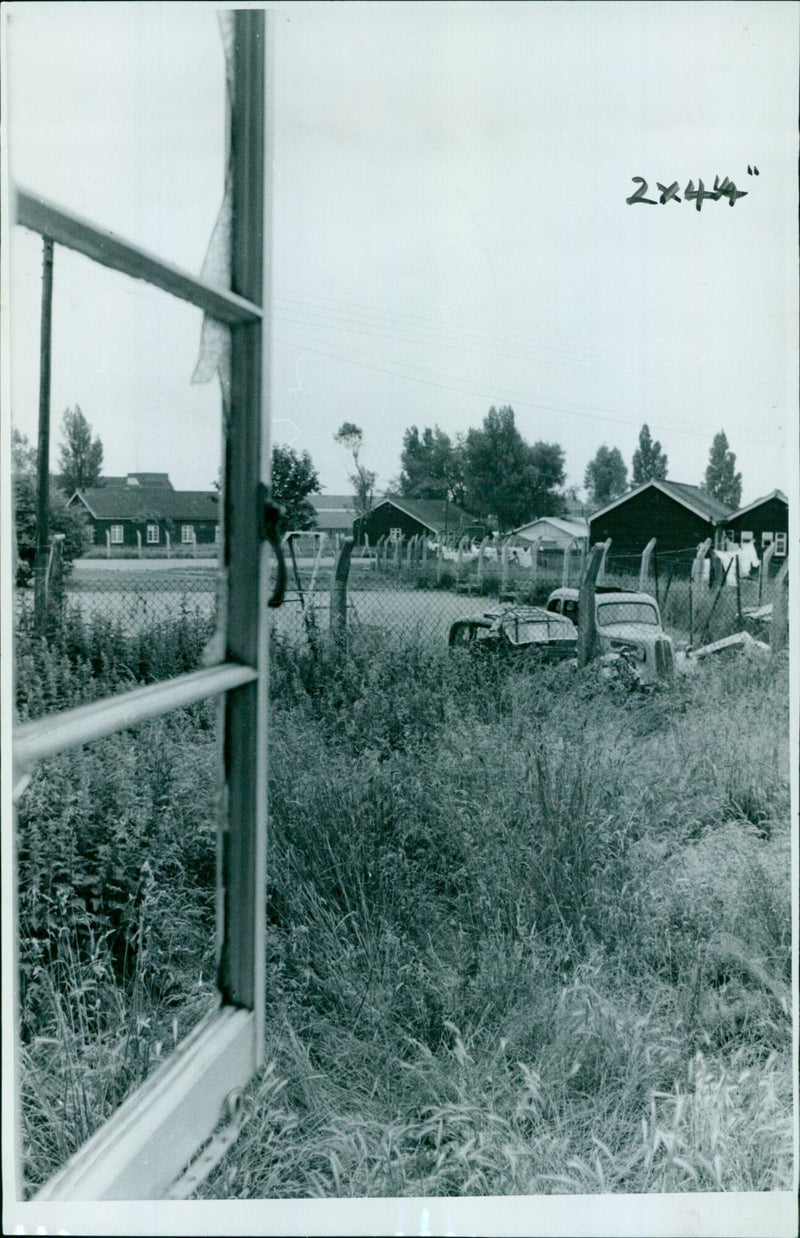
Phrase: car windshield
(527,631)
(626,612)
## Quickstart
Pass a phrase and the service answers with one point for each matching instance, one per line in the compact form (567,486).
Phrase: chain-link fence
(141,620)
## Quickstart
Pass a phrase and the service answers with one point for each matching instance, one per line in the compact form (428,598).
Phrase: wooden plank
(109,250)
(44,737)
(143,1147)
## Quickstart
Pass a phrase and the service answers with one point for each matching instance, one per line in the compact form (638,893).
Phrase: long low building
(146,506)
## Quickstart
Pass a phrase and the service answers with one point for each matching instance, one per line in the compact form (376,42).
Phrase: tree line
(490,471)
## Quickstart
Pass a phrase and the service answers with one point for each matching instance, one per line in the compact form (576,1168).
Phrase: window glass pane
(111,118)
(117,865)
(131,569)
(626,612)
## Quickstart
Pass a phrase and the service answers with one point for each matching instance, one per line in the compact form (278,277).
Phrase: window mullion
(244,843)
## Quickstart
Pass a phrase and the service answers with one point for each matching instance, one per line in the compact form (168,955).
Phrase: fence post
(565,565)
(601,571)
(534,562)
(168,540)
(341,571)
(644,567)
(696,579)
(108,543)
(587,625)
(194,542)
(763,571)
(504,568)
(481,554)
(139,541)
(780,611)
(717,595)
(738,593)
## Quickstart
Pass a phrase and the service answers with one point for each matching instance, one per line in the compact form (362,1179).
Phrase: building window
(766,540)
(747,536)
(780,544)
(186,533)
(217,535)
(153,535)
(117,534)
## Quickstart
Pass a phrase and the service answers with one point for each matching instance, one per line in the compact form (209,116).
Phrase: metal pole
(43,454)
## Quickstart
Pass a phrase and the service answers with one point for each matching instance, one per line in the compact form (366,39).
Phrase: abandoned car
(628,627)
(531,628)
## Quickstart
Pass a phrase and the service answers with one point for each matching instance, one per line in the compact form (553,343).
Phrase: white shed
(555,532)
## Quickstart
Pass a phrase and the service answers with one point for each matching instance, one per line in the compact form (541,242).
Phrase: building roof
(137,479)
(571,528)
(149,503)
(438,515)
(334,511)
(776,494)
(691,497)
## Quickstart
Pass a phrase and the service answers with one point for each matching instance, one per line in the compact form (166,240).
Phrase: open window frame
(142,1148)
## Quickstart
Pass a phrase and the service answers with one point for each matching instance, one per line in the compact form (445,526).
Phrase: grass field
(528,931)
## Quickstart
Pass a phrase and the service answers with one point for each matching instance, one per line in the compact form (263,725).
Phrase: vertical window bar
(241,948)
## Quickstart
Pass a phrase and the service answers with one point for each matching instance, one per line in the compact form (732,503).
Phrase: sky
(450,227)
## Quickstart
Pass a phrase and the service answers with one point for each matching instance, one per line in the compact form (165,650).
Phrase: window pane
(117,869)
(130,589)
(110,118)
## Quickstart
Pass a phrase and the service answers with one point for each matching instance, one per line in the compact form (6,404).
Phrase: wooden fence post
(696,581)
(341,571)
(504,568)
(644,567)
(481,554)
(439,561)
(763,571)
(780,611)
(108,543)
(168,540)
(738,593)
(601,571)
(534,562)
(587,624)
(139,541)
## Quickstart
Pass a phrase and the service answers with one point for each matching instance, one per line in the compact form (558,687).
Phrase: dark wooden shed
(763,521)
(677,515)
(395,517)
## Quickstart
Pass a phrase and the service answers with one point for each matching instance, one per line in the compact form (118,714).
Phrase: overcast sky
(450,226)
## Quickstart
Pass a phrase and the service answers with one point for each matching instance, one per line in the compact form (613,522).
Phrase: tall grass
(526,934)
(528,931)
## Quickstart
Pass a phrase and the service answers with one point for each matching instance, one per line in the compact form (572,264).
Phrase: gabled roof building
(677,515)
(121,508)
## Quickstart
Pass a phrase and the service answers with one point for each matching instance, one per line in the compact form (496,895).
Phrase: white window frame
(141,1149)
(780,545)
(117,534)
(153,535)
(767,540)
(187,531)
(746,537)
